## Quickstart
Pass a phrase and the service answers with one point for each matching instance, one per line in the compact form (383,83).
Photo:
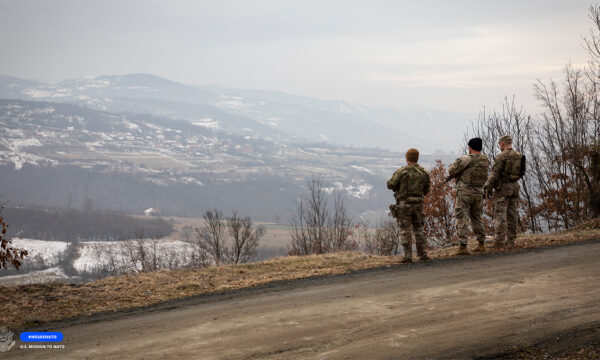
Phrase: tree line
(73,225)
(228,240)
(320,223)
(218,241)
(561,188)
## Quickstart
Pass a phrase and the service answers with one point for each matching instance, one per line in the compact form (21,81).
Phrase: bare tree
(593,112)
(340,236)
(300,243)
(136,254)
(384,239)
(68,258)
(365,237)
(212,235)
(567,149)
(108,257)
(514,121)
(198,258)
(317,229)
(438,208)
(186,233)
(309,222)
(245,238)
(567,146)
(562,188)
(387,238)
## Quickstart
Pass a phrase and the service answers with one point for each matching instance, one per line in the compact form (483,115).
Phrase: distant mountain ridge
(269,114)
(60,154)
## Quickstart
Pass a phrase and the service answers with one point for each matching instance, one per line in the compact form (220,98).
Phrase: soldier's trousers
(469,208)
(410,220)
(506,216)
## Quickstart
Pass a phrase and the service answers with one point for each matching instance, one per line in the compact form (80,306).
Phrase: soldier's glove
(487,192)
(393,210)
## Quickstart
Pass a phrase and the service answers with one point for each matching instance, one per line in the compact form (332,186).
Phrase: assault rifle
(445,182)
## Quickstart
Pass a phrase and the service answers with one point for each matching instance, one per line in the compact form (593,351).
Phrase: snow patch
(190,180)
(130,125)
(22,143)
(61,92)
(361,168)
(308,153)
(98,255)
(145,89)
(155,127)
(207,123)
(21,159)
(359,191)
(231,102)
(48,251)
(36,93)
(37,277)
(14,132)
(92,83)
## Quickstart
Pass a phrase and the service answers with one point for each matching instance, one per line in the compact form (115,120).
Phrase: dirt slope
(454,308)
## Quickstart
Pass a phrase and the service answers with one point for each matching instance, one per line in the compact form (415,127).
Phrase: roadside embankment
(30,305)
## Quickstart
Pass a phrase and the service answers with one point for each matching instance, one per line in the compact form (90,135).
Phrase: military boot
(407,254)
(422,254)
(480,248)
(462,250)
(498,246)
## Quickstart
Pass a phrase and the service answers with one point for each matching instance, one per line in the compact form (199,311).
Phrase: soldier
(410,183)
(503,188)
(470,172)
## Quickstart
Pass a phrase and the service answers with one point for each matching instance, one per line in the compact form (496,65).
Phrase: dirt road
(454,308)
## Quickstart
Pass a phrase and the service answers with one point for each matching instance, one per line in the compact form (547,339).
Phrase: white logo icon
(6,341)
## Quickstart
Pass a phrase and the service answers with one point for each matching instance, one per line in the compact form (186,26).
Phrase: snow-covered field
(48,252)
(98,257)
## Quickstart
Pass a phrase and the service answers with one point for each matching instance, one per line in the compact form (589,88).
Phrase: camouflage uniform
(410,183)
(470,172)
(503,180)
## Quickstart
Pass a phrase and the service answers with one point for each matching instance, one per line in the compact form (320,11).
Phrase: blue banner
(41,336)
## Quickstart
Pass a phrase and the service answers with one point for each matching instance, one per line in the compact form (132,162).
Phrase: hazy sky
(450,55)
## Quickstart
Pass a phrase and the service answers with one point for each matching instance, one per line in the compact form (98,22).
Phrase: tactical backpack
(514,167)
(412,183)
(476,172)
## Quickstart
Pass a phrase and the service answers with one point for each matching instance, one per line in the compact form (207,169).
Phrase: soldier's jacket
(470,172)
(506,169)
(410,183)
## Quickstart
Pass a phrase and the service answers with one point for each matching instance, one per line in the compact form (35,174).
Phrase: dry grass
(28,305)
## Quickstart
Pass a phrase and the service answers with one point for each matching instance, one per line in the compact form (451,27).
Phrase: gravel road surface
(456,308)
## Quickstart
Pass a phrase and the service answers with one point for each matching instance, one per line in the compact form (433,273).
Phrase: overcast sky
(449,55)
